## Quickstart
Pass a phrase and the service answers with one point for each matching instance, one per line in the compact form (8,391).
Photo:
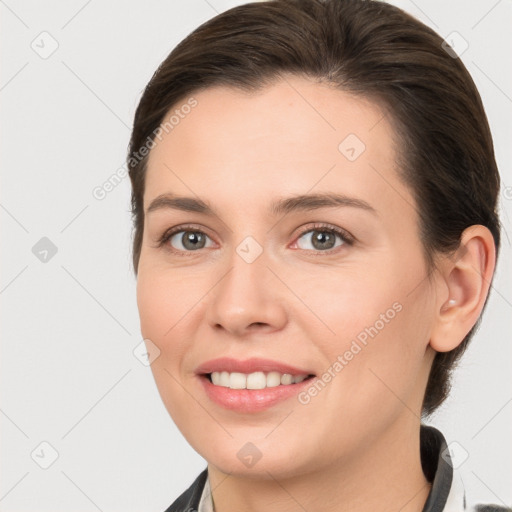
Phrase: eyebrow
(301,202)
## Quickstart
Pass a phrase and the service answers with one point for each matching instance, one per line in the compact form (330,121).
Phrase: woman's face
(309,256)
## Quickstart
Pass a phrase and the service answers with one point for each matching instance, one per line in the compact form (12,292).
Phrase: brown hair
(371,49)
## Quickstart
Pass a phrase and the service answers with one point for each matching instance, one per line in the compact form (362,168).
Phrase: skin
(354,446)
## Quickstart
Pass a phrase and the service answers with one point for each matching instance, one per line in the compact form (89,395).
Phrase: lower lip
(250,400)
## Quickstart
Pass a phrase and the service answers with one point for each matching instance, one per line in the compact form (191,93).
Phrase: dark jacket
(446,495)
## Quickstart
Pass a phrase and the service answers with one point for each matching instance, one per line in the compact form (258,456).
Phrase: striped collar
(447,493)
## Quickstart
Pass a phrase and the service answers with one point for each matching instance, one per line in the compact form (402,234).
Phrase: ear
(465,281)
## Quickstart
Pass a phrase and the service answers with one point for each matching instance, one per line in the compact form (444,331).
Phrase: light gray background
(68,373)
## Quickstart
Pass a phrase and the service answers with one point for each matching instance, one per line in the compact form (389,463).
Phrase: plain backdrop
(74,397)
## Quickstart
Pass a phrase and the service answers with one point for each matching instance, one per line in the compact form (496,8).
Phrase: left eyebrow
(301,202)
(305,202)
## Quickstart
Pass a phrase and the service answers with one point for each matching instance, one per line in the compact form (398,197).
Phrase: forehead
(293,108)
(288,135)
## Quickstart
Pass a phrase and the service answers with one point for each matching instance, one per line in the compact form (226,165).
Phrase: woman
(314,196)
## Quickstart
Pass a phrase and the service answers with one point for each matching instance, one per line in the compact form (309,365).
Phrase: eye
(323,238)
(185,240)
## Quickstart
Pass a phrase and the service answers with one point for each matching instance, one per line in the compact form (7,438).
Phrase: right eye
(185,240)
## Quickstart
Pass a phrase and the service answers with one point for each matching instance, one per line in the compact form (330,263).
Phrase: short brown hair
(371,49)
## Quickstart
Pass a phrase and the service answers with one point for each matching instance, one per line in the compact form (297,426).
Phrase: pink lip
(248,366)
(249,400)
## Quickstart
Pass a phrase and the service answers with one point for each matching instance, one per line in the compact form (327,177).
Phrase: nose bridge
(247,293)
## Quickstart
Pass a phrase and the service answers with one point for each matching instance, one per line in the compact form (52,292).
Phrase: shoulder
(448,491)
(188,501)
(489,508)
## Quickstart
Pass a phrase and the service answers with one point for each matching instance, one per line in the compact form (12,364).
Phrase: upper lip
(248,366)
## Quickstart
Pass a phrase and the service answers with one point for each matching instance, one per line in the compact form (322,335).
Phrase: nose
(247,298)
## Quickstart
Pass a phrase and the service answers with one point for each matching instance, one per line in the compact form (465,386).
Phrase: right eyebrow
(186,204)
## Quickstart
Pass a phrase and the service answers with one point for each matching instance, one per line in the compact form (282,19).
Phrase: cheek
(343,302)
(164,296)
(165,305)
(153,303)
(164,310)
(381,325)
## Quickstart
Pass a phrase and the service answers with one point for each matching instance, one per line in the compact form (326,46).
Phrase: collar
(447,493)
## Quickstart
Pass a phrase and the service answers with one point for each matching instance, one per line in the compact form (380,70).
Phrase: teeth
(273,379)
(286,378)
(237,381)
(256,380)
(224,379)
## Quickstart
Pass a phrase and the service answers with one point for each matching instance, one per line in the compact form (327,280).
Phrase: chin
(248,461)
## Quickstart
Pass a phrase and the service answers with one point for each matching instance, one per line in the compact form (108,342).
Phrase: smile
(255,380)
(251,385)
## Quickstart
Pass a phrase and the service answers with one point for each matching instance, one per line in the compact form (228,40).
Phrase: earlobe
(466,277)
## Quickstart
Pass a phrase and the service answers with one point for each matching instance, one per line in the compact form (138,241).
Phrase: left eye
(320,239)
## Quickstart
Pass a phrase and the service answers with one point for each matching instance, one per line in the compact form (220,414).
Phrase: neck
(385,475)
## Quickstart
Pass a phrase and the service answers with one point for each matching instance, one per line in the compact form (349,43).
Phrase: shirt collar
(206,502)
(447,493)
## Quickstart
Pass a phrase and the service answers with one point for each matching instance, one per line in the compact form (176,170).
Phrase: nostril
(258,323)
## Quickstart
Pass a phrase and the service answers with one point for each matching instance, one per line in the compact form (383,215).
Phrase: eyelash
(345,236)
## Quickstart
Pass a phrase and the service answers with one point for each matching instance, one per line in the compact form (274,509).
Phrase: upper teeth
(256,380)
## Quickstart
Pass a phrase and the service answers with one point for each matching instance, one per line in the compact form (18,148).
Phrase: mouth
(254,380)
(251,385)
